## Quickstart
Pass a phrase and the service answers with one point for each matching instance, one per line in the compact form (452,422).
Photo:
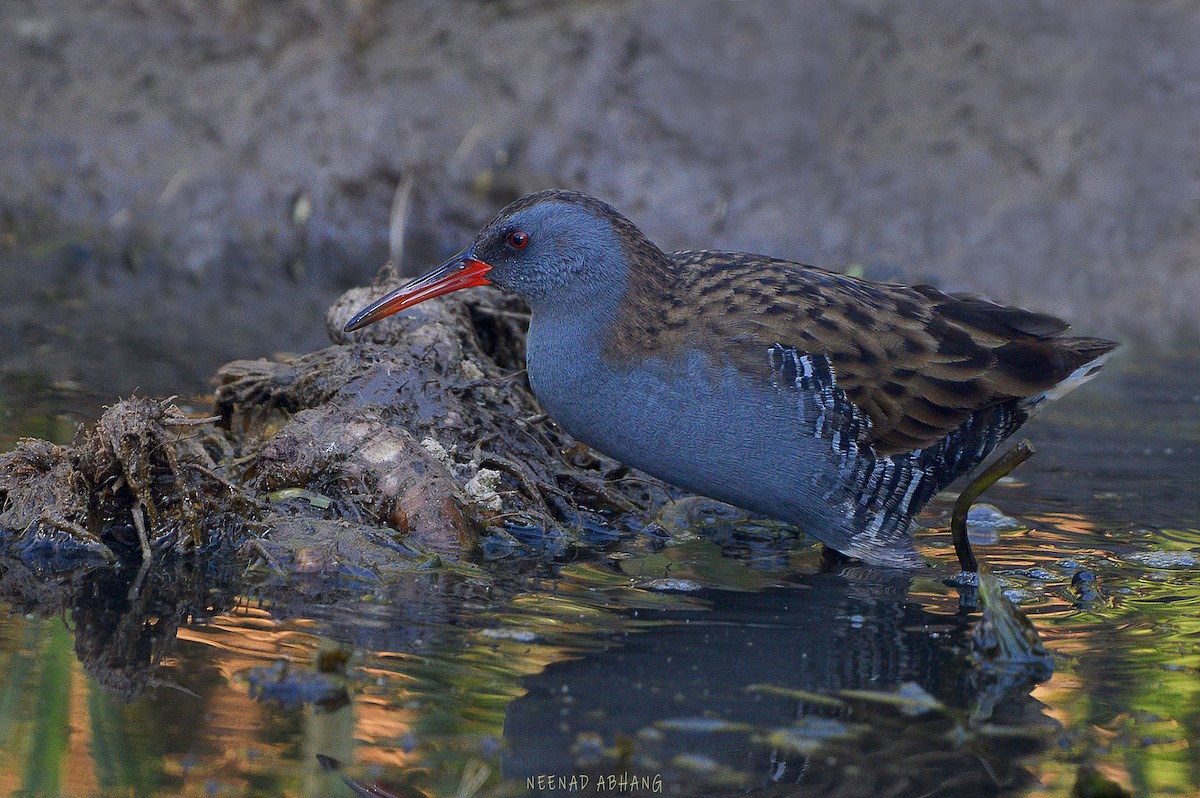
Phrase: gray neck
(567,332)
(586,303)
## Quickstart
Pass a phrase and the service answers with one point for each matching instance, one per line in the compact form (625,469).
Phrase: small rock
(686,585)
(1086,588)
(1165,559)
(504,633)
(436,449)
(1083,578)
(985,523)
(1017,597)
(482,488)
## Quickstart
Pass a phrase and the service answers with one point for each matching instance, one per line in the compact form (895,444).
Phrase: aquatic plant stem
(958,520)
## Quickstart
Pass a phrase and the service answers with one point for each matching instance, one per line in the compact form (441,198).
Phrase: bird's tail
(1085,356)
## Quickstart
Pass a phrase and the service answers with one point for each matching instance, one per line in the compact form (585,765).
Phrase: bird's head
(548,247)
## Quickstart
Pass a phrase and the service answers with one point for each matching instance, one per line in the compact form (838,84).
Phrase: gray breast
(704,427)
(784,444)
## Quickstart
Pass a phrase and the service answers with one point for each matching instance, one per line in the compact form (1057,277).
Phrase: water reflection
(775,676)
(762,689)
(814,684)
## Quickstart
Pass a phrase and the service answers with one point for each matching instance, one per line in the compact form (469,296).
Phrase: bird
(834,403)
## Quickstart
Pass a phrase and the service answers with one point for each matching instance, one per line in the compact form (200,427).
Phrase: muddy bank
(240,162)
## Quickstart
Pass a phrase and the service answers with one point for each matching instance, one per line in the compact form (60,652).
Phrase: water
(720,660)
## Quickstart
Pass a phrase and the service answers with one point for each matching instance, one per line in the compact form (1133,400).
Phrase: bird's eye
(517,239)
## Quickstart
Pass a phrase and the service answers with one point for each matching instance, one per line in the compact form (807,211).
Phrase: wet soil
(417,440)
(246,158)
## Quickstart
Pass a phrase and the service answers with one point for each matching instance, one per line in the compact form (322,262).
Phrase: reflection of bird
(331,765)
(850,689)
(838,404)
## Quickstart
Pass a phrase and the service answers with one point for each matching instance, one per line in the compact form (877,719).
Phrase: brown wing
(916,361)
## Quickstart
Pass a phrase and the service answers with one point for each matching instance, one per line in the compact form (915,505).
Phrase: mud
(400,450)
(181,185)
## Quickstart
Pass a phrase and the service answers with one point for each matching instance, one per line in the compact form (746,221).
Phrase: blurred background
(184,182)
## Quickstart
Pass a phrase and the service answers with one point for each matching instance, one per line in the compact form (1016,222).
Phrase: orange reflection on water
(79,777)
(380,721)
(1055,694)
(252,638)
(1074,523)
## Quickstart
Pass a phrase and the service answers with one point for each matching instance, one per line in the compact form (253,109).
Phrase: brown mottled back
(916,361)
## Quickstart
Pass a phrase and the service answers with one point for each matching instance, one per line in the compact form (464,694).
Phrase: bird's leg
(988,477)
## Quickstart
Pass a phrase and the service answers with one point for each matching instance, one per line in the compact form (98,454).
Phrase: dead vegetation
(143,475)
(421,429)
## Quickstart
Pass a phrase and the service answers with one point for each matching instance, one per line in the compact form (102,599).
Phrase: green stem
(958,521)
